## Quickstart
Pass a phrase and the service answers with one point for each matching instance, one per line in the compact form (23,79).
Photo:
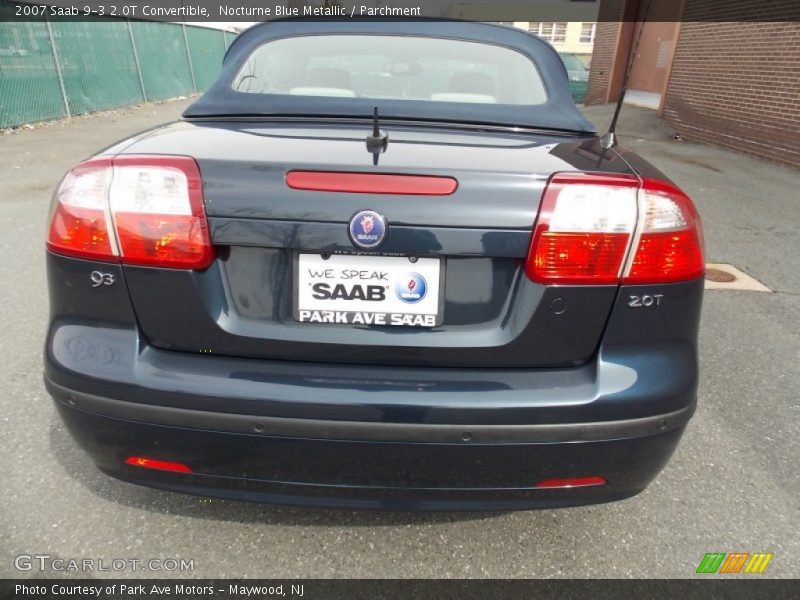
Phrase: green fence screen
(97,65)
(54,69)
(29,88)
(164,60)
(205,48)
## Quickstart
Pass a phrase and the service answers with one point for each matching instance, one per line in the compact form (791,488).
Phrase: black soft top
(558,112)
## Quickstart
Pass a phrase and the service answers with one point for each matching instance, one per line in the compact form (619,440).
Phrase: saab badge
(411,288)
(368,229)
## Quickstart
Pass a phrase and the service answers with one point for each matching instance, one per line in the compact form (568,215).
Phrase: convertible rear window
(392,67)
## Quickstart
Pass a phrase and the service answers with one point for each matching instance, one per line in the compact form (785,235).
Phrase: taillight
(157,206)
(79,222)
(669,239)
(607,229)
(140,210)
(584,229)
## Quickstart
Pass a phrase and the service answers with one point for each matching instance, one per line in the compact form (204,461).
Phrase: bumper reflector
(159,465)
(570,482)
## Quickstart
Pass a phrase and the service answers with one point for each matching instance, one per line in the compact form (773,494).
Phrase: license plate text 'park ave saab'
(368,290)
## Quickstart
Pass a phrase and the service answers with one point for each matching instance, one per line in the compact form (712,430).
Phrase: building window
(555,33)
(587,33)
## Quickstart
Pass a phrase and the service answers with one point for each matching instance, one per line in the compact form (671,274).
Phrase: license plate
(368,290)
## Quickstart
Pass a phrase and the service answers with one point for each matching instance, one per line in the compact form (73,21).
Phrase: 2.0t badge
(368,229)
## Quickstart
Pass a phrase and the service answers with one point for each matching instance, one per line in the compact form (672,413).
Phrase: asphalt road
(732,485)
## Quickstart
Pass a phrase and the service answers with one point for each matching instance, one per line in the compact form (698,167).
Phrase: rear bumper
(370,437)
(370,474)
(363,465)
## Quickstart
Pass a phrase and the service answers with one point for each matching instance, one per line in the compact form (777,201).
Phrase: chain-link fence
(52,69)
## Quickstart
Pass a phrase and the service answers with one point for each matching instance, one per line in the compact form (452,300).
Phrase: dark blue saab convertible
(377,265)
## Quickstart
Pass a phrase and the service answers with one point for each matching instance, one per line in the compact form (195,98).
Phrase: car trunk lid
(489,313)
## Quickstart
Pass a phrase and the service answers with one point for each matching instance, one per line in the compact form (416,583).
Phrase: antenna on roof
(379,140)
(609,139)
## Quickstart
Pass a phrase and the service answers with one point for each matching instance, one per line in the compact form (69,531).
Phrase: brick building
(726,72)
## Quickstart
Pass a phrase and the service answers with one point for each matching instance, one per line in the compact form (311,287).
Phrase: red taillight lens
(670,237)
(157,205)
(584,229)
(79,224)
(604,229)
(154,203)
(159,465)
